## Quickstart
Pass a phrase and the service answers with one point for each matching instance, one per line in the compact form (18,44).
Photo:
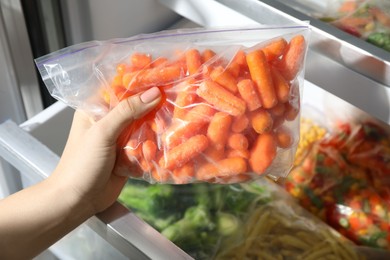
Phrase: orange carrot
(212,153)
(122,68)
(234,69)
(262,153)
(207,55)
(226,167)
(185,152)
(261,76)
(283,137)
(275,49)
(141,60)
(292,59)
(278,110)
(149,150)
(247,90)
(261,121)
(224,78)
(133,149)
(117,80)
(240,58)
(221,98)
(158,125)
(201,112)
(282,87)
(237,142)
(193,61)
(291,111)
(218,130)
(240,123)
(151,77)
(179,132)
(194,122)
(160,61)
(185,98)
(237,153)
(160,175)
(183,174)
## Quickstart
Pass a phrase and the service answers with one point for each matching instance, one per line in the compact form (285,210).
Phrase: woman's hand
(82,185)
(87,164)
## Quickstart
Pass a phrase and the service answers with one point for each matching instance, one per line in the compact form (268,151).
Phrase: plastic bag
(230,112)
(369,20)
(240,221)
(345,181)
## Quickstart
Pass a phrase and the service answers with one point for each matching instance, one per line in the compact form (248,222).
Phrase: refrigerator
(341,70)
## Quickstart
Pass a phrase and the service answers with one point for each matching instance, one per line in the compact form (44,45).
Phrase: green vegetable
(380,39)
(227,224)
(197,217)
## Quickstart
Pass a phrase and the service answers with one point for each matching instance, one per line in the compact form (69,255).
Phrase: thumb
(127,111)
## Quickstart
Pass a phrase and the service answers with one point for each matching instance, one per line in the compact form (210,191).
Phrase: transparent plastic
(231,99)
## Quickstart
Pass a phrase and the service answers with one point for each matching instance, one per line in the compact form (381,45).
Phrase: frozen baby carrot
(160,61)
(218,129)
(261,76)
(180,131)
(240,58)
(283,137)
(141,60)
(194,122)
(122,68)
(160,175)
(221,98)
(149,150)
(292,59)
(184,153)
(277,110)
(237,142)
(183,174)
(275,49)
(133,149)
(212,153)
(200,113)
(193,61)
(261,121)
(247,90)
(151,77)
(282,87)
(291,111)
(262,153)
(224,78)
(226,167)
(185,98)
(207,55)
(240,123)
(237,153)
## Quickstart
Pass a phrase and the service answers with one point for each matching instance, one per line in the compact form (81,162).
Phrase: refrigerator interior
(325,94)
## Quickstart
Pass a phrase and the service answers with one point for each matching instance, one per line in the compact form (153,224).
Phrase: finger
(127,111)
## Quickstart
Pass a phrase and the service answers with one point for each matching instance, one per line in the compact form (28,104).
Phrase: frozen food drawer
(115,233)
(343,65)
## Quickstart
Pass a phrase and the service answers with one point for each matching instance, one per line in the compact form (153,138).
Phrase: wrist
(75,209)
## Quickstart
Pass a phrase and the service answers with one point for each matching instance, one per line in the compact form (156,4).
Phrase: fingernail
(150,95)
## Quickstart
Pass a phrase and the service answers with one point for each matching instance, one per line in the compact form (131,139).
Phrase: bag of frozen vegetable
(345,180)
(230,107)
(368,19)
(256,220)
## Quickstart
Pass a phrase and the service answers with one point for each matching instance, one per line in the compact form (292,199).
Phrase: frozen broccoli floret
(195,218)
